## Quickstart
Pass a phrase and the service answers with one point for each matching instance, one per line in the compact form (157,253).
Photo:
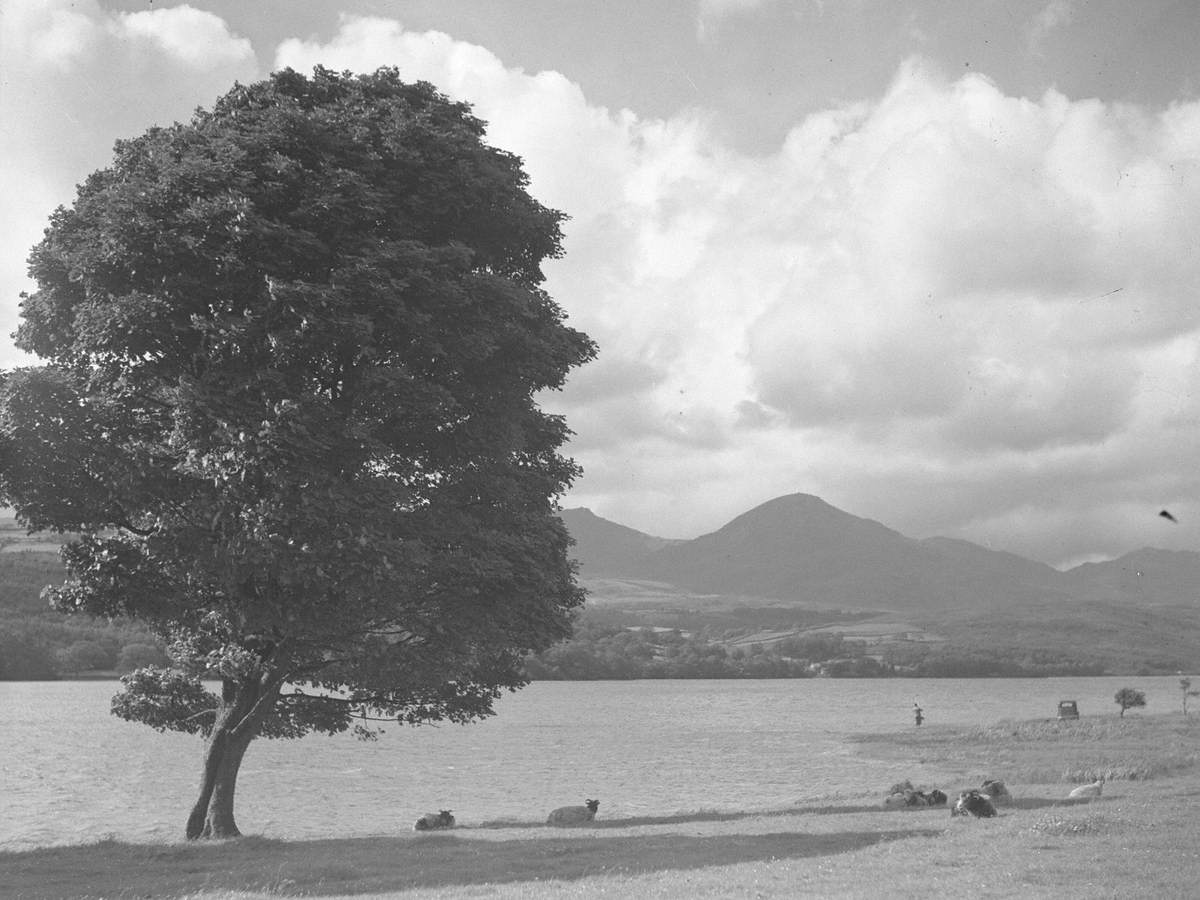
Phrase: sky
(934,261)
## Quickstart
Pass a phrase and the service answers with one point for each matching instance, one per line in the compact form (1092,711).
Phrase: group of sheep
(904,794)
(564,815)
(980,802)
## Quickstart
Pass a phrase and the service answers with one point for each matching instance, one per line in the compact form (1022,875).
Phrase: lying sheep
(1095,789)
(898,794)
(973,803)
(997,792)
(574,815)
(912,797)
(432,821)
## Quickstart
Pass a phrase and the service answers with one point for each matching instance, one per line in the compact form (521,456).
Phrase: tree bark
(244,705)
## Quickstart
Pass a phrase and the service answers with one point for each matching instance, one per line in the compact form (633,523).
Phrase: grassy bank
(1138,840)
(1133,748)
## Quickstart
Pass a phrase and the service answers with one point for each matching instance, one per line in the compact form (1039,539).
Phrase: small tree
(1128,698)
(1185,686)
(293,350)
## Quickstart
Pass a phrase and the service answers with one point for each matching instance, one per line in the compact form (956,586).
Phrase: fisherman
(919,713)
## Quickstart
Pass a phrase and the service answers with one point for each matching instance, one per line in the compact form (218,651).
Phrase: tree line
(39,644)
(45,646)
(39,651)
(607,651)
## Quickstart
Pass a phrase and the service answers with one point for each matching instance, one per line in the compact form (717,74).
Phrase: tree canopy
(1129,698)
(292,351)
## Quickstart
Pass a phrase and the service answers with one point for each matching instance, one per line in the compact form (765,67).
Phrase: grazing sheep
(574,815)
(1087,790)
(936,798)
(973,803)
(433,821)
(997,792)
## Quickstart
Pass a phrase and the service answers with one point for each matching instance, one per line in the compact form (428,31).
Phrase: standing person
(919,713)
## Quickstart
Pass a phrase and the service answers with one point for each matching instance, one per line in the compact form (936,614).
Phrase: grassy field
(1138,840)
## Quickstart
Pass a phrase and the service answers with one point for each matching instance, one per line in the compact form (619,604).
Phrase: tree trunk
(243,707)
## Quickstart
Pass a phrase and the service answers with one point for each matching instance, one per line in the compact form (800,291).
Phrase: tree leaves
(292,349)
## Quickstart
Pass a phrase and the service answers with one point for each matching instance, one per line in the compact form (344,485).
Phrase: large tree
(292,351)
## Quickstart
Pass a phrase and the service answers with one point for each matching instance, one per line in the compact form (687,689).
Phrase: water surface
(70,772)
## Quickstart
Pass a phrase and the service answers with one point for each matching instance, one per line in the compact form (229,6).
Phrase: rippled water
(70,772)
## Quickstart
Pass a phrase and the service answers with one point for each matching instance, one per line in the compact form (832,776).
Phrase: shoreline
(1040,845)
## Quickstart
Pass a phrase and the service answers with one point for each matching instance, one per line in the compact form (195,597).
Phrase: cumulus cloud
(76,77)
(193,37)
(948,308)
(60,35)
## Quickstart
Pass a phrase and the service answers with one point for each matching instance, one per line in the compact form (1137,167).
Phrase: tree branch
(203,712)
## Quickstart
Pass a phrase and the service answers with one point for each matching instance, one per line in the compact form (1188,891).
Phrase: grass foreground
(1138,840)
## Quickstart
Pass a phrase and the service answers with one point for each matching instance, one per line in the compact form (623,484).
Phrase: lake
(72,773)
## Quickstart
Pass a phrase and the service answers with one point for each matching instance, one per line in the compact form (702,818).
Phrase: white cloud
(61,35)
(945,308)
(194,37)
(77,77)
(49,34)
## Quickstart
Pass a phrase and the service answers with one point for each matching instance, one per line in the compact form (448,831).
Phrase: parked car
(1068,709)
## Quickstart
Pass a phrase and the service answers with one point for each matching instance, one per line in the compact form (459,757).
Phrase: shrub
(22,659)
(84,656)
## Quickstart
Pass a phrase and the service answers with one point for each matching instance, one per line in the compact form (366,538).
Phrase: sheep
(1087,790)
(914,798)
(973,803)
(897,794)
(997,792)
(574,815)
(433,821)
(903,794)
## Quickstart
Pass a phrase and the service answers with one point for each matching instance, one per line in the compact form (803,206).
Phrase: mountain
(797,556)
(798,548)
(604,548)
(1146,577)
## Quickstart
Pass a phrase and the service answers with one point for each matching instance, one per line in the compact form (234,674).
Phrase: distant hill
(799,548)
(1146,578)
(797,552)
(604,548)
